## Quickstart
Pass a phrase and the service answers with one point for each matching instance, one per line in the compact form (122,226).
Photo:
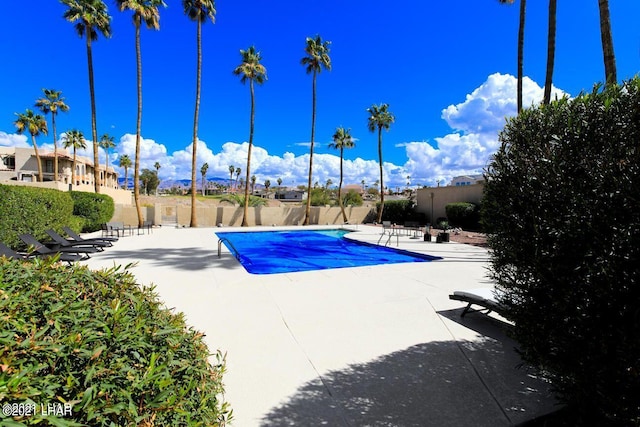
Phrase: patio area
(379,345)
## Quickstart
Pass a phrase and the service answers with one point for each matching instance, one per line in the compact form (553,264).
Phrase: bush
(31,210)
(399,211)
(96,209)
(104,345)
(352,198)
(562,212)
(463,215)
(319,197)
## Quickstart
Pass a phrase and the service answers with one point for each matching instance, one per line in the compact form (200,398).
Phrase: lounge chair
(119,227)
(42,249)
(58,239)
(482,297)
(6,251)
(75,236)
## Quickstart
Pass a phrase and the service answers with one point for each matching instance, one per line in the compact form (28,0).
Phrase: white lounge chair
(481,297)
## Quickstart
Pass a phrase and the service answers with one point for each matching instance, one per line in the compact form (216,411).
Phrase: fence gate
(170,216)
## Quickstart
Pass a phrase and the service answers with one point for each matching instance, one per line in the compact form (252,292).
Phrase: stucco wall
(445,195)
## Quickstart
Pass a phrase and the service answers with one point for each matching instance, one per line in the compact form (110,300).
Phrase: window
(48,166)
(9,162)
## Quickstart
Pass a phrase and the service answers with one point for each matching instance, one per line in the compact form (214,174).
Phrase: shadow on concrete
(444,383)
(193,258)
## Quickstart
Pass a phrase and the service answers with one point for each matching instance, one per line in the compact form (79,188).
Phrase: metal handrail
(234,251)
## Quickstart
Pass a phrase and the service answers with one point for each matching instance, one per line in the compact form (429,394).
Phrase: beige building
(19,166)
(432,201)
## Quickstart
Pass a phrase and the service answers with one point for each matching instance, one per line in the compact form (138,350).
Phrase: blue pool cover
(268,252)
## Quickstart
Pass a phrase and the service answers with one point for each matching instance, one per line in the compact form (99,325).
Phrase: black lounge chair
(7,252)
(76,237)
(482,297)
(58,239)
(42,249)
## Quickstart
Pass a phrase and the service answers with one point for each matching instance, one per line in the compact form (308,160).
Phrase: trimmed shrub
(352,198)
(105,346)
(562,210)
(31,210)
(319,197)
(96,209)
(463,215)
(399,211)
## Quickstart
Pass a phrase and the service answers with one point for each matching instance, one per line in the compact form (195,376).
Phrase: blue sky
(445,69)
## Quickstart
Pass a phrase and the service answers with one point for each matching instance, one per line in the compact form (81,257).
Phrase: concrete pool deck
(380,345)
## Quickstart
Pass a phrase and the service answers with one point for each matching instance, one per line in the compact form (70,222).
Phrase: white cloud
(475,122)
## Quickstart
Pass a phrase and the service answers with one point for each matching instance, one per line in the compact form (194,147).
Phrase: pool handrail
(234,252)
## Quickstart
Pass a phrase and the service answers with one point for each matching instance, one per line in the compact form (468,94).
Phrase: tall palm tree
(143,11)
(551,52)
(106,143)
(92,17)
(232,169)
(253,183)
(267,185)
(342,139)
(199,11)
(523,9)
(125,162)
(52,103)
(611,75)
(317,58)
(35,124)
(75,139)
(157,166)
(250,69)
(380,118)
(203,172)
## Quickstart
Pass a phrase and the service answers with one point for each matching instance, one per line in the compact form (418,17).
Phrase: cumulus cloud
(475,125)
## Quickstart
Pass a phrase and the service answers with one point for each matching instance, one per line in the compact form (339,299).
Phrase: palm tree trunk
(35,148)
(55,147)
(523,8)
(610,72)
(551,52)
(94,127)
(381,179)
(246,187)
(194,221)
(125,178)
(344,214)
(307,212)
(73,172)
(136,171)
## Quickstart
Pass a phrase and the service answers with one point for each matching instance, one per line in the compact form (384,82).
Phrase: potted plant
(443,236)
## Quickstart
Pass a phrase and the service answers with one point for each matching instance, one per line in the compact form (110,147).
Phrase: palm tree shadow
(437,383)
(193,258)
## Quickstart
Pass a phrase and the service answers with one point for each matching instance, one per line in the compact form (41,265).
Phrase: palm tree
(92,17)
(551,51)
(203,172)
(232,169)
(157,166)
(253,183)
(342,139)
(523,9)
(316,59)
(107,142)
(35,124)
(125,162)
(611,76)
(199,11)
(74,138)
(380,118)
(279,181)
(267,185)
(250,70)
(238,172)
(52,103)
(143,11)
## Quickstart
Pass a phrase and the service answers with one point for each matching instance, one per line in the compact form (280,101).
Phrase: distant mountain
(170,183)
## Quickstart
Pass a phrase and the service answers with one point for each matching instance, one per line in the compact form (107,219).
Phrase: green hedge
(96,209)
(463,215)
(399,211)
(32,210)
(106,346)
(562,211)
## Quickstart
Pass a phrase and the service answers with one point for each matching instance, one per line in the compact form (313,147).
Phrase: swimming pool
(268,252)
